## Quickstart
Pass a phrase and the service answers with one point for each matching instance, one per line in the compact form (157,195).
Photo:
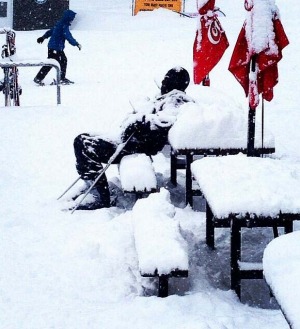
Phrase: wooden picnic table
(183,158)
(216,127)
(281,265)
(247,192)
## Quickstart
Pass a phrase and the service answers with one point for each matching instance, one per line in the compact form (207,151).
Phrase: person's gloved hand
(79,46)
(40,40)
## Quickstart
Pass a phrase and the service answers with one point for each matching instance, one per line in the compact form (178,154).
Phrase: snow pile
(215,122)
(240,184)
(81,271)
(137,173)
(281,263)
(259,25)
(158,241)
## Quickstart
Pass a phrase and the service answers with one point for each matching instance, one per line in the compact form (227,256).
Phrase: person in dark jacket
(58,35)
(150,135)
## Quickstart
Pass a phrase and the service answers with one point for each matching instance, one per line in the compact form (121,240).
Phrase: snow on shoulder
(158,241)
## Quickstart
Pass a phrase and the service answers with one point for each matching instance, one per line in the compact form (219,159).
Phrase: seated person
(150,134)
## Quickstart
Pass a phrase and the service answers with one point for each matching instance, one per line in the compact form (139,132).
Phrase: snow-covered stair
(162,251)
(137,174)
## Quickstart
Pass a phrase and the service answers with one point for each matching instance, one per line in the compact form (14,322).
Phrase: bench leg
(288,227)
(235,257)
(173,169)
(210,230)
(163,286)
(188,180)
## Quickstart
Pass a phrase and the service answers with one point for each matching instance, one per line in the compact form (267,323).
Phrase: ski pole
(69,188)
(102,171)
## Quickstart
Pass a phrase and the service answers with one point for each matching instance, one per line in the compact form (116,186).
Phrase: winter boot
(65,81)
(38,81)
(98,198)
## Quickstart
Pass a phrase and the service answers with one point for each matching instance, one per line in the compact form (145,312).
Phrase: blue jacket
(61,32)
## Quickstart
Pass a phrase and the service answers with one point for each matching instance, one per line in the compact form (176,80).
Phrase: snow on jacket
(151,129)
(61,32)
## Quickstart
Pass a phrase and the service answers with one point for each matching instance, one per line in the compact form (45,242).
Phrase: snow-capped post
(255,56)
(210,41)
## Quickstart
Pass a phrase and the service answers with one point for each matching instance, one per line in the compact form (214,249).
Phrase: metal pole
(251,119)
(69,188)
(251,132)
(58,85)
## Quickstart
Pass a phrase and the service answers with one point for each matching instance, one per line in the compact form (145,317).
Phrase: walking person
(58,35)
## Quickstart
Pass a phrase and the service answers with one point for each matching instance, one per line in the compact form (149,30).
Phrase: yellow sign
(148,5)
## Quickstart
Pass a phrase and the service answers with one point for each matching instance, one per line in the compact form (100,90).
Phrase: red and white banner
(210,41)
(262,78)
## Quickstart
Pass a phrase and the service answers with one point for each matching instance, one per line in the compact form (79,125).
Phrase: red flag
(265,75)
(210,42)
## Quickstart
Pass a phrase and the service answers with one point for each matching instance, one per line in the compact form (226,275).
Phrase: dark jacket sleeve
(146,139)
(69,36)
(48,34)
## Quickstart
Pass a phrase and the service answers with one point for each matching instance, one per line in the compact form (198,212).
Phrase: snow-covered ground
(81,271)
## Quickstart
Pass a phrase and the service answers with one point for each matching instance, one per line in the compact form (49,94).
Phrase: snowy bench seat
(161,250)
(137,174)
(281,261)
(247,192)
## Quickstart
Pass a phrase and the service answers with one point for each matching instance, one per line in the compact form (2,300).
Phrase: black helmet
(176,78)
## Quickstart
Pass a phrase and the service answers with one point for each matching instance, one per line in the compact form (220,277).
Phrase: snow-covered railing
(6,30)
(51,62)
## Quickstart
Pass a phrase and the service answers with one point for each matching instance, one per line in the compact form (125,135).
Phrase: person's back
(61,32)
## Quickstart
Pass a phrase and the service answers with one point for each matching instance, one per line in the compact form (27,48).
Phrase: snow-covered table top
(281,264)
(214,121)
(238,184)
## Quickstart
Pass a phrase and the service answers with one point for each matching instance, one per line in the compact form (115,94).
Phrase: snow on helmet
(176,78)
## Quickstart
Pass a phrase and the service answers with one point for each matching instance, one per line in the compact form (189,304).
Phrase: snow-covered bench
(161,250)
(247,192)
(137,175)
(281,261)
(214,126)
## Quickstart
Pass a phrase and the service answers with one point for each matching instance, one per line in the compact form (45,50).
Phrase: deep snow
(80,271)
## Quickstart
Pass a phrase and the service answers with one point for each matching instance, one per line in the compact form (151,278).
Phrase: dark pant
(62,60)
(90,153)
